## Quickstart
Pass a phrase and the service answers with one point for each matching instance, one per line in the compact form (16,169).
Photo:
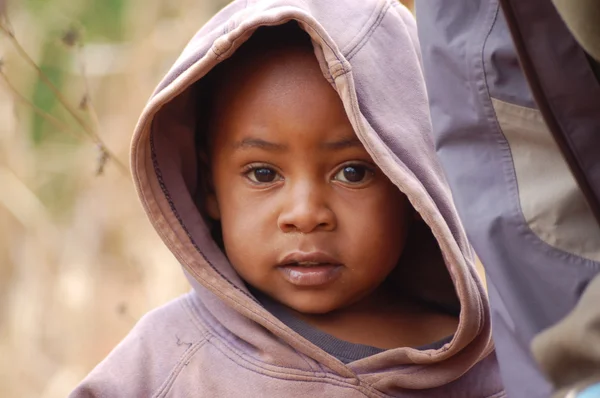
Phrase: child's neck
(385,320)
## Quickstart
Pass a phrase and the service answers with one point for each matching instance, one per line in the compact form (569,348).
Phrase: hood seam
(354,50)
(167,194)
(212,331)
(465,274)
(321,376)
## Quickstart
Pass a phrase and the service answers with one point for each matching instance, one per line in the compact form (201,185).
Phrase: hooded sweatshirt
(219,340)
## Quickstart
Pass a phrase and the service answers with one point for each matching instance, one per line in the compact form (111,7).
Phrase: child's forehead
(283,53)
(287,84)
(280,70)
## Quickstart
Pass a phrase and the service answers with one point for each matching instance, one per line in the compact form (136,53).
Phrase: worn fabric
(218,341)
(515,107)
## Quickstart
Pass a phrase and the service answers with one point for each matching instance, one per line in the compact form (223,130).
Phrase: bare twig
(59,124)
(62,126)
(73,39)
(86,102)
(103,157)
(4,22)
(44,78)
(91,131)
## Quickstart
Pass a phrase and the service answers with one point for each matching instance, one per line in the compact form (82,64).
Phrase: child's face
(307,217)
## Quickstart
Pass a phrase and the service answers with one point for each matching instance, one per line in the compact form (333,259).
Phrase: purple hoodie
(218,340)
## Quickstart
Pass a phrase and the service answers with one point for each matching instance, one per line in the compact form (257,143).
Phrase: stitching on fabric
(365,27)
(182,363)
(389,153)
(511,108)
(369,33)
(306,360)
(196,318)
(210,332)
(167,194)
(481,57)
(526,230)
(339,71)
(325,378)
(563,121)
(274,325)
(252,360)
(294,18)
(511,178)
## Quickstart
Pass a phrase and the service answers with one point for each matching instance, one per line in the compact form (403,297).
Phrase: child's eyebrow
(247,143)
(343,144)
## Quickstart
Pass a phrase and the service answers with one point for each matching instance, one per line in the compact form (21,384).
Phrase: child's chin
(314,307)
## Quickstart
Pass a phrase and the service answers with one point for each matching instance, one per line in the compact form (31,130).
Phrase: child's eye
(354,174)
(262,175)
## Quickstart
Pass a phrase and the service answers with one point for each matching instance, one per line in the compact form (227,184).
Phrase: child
(286,160)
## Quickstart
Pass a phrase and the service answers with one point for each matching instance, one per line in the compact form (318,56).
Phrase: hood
(368,51)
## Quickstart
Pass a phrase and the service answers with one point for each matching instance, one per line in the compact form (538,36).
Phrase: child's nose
(306,211)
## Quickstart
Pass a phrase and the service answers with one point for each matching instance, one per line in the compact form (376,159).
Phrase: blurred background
(79,262)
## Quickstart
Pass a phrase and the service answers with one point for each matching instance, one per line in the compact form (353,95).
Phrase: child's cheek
(249,225)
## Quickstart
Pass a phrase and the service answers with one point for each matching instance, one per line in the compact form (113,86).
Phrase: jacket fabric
(218,341)
(515,108)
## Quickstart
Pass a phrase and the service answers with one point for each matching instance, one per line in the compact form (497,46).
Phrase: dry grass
(79,263)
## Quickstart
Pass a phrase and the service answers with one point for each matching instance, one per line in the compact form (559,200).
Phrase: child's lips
(310,269)
(315,275)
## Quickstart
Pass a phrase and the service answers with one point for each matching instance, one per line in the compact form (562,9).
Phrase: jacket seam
(210,333)
(249,365)
(547,108)
(182,363)
(523,226)
(252,364)
(167,194)
(354,50)
(197,319)
(509,172)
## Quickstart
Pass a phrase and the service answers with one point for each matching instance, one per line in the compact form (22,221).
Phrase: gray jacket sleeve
(515,109)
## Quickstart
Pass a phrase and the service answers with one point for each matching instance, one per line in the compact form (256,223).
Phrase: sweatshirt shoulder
(147,360)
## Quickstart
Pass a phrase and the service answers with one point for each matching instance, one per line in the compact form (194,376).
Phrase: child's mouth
(309,269)
(310,275)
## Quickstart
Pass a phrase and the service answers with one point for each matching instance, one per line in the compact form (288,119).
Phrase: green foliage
(104,19)
(98,20)
(52,63)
